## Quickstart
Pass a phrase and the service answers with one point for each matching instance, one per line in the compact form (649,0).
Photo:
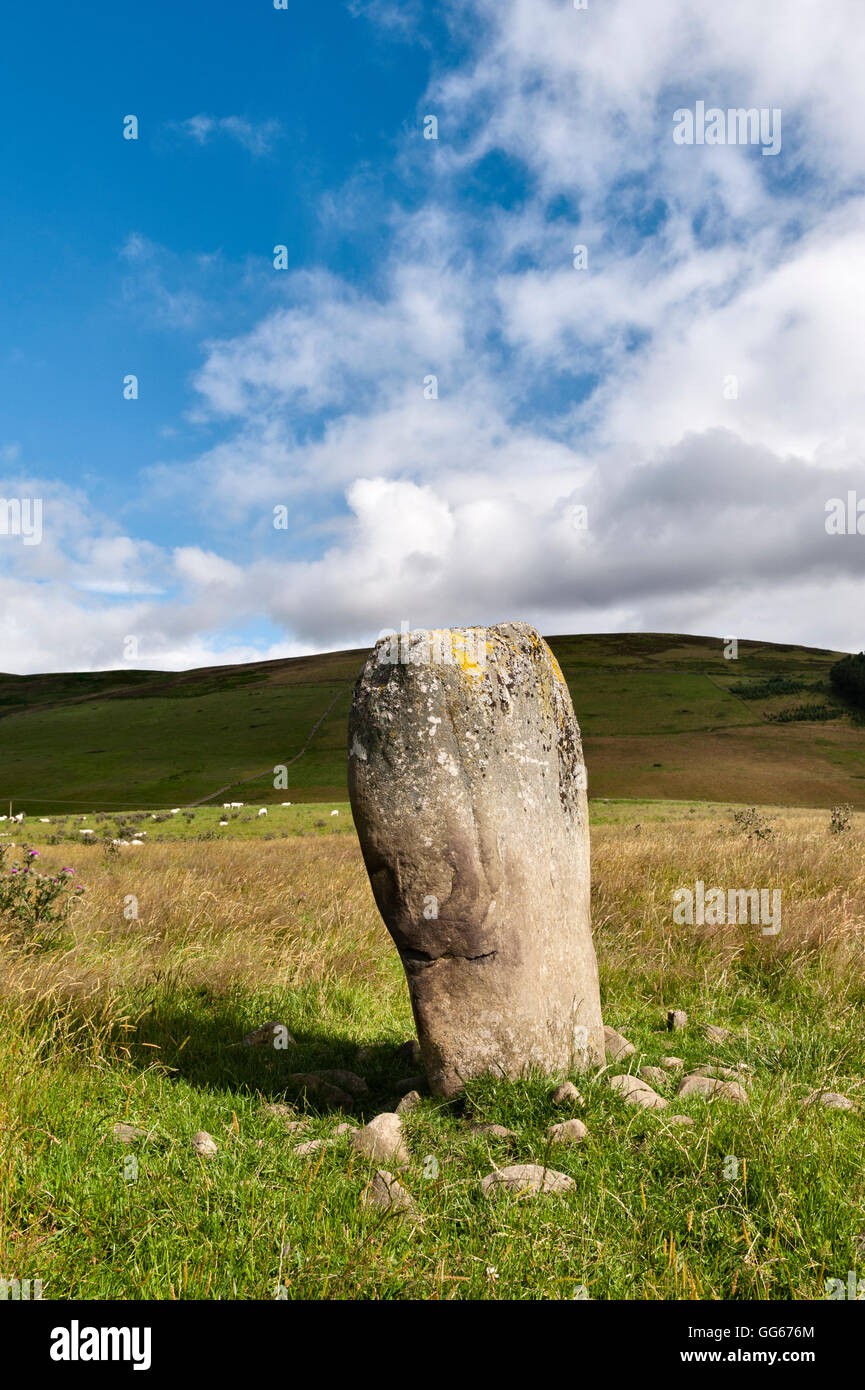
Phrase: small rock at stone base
(382,1139)
(832,1100)
(526,1179)
(636,1092)
(616,1046)
(677,1019)
(386,1192)
(568,1132)
(567,1094)
(204,1144)
(715,1090)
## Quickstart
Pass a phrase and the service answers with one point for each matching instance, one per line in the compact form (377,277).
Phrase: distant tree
(847,676)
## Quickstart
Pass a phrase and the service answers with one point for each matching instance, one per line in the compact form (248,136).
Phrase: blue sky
(606,386)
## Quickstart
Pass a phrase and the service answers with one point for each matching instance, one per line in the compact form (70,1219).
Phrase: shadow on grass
(199,1038)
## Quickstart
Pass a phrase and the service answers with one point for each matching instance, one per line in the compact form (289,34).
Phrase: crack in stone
(413,957)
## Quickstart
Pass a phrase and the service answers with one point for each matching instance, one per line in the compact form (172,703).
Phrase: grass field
(142,1020)
(663,717)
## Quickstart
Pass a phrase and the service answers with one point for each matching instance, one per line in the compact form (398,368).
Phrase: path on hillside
(243,781)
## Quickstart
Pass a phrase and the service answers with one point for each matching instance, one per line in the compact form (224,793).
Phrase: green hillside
(663,716)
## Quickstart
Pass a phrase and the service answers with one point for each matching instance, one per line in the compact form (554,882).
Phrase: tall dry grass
(283,914)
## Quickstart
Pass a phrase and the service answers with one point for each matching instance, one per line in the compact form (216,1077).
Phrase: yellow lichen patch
(470,655)
(558,670)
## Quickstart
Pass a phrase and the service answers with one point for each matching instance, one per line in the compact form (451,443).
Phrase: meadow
(141,1019)
(663,716)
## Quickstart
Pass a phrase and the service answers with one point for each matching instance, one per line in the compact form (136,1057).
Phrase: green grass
(654,1215)
(658,712)
(142,1022)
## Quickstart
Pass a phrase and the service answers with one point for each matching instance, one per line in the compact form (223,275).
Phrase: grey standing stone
(409,1102)
(468,790)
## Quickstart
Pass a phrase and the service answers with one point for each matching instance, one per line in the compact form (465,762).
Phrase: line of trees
(847,677)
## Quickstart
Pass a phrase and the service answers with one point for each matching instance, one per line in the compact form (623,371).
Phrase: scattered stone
(672,1063)
(655,1076)
(382,1139)
(568,1132)
(410,1053)
(832,1100)
(296,1126)
(677,1019)
(410,1083)
(344,1129)
(714,1034)
(409,1102)
(526,1179)
(346,1080)
(637,1092)
(385,1191)
(312,1146)
(204,1144)
(494,1131)
(714,1089)
(321,1089)
(615,1046)
(678,1120)
(269,1035)
(281,1111)
(468,790)
(567,1094)
(715,1069)
(365,1054)
(127,1134)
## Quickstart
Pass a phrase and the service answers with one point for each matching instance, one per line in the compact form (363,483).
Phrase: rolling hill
(663,716)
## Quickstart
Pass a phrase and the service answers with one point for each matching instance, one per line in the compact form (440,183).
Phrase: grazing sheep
(176,811)
(85,832)
(263,811)
(227,805)
(334,813)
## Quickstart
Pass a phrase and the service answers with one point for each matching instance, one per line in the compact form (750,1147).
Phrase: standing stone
(468,790)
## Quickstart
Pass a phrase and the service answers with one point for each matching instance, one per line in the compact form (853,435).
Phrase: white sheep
(85,832)
(263,811)
(285,803)
(176,811)
(227,805)
(334,813)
